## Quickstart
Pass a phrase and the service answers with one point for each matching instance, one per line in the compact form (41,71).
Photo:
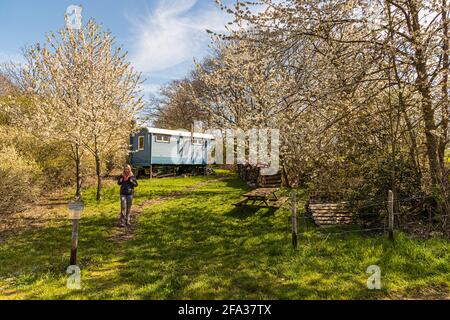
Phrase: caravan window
(162,138)
(141,143)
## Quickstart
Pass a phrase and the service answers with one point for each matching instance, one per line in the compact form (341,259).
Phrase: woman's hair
(127,166)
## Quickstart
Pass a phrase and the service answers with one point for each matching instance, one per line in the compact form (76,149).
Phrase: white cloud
(173,33)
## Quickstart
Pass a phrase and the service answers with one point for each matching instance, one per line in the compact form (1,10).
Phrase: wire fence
(304,221)
(306,224)
(380,212)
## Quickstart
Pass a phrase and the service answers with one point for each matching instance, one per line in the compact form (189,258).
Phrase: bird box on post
(76,208)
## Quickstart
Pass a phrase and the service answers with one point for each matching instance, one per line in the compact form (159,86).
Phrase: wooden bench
(280,202)
(241,202)
(265,196)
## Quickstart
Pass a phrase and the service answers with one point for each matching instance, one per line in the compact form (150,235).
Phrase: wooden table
(262,195)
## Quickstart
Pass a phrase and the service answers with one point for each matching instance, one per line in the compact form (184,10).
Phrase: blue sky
(162,36)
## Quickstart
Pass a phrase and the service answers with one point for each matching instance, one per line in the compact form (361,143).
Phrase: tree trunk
(98,171)
(285,175)
(430,127)
(424,88)
(78,171)
(413,149)
(76,156)
(428,116)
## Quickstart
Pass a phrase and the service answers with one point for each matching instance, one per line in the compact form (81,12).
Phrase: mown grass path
(128,233)
(199,246)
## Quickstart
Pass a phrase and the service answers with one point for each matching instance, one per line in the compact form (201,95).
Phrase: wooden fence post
(294,218)
(391,214)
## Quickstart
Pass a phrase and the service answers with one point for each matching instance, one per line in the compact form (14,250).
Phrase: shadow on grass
(188,250)
(201,247)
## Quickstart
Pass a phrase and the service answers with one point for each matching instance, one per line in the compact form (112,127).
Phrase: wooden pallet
(328,214)
(270,181)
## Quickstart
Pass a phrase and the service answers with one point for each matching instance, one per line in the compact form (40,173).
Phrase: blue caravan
(153,149)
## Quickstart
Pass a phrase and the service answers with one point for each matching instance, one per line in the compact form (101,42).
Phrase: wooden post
(73,250)
(391,214)
(294,218)
(75,208)
(151,172)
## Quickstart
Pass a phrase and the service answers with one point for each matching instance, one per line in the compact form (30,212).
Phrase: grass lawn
(199,246)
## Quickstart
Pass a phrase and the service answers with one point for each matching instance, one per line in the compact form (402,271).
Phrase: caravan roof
(180,133)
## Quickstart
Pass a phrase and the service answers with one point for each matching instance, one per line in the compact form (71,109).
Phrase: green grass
(201,247)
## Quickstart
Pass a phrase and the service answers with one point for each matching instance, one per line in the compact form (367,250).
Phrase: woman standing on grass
(127,182)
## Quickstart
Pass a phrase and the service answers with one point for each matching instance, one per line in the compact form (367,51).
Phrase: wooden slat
(280,202)
(271,182)
(331,214)
(331,219)
(272,177)
(241,202)
(330,210)
(326,213)
(260,192)
(327,206)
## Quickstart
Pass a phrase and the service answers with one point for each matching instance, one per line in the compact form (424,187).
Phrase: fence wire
(371,204)
(302,228)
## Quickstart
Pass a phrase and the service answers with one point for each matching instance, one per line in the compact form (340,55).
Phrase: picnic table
(263,196)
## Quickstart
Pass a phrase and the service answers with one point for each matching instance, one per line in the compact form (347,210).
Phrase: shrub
(19,180)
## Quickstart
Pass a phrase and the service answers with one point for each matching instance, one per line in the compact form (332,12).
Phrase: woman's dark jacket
(127,187)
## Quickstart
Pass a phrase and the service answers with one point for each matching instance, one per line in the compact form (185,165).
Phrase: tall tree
(87,93)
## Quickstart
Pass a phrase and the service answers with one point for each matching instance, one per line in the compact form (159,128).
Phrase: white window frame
(159,140)
(139,143)
(197,141)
